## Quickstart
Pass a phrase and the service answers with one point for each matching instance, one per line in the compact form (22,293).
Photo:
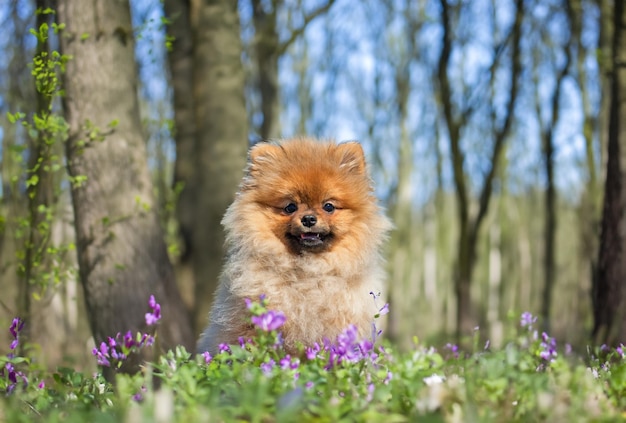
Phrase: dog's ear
(262,153)
(260,156)
(352,157)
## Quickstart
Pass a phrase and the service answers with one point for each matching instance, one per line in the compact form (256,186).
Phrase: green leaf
(32,181)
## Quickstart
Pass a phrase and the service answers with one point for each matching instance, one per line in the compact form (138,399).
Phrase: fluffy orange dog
(305,230)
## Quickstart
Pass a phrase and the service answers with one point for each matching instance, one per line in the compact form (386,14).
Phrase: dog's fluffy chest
(317,304)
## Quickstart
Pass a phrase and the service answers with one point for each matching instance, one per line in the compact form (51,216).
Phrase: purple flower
(287,362)
(269,321)
(11,370)
(41,385)
(207,357)
(527,319)
(311,352)
(13,375)
(102,355)
(139,395)
(153,317)
(309,385)
(365,347)
(384,310)
(267,366)
(104,349)
(348,337)
(148,340)
(16,326)
(347,348)
(548,347)
(370,392)
(224,348)
(128,340)
(388,378)
(454,349)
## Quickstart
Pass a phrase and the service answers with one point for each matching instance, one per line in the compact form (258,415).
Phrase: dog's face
(311,196)
(309,224)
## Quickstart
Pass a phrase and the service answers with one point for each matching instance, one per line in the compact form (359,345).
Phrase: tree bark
(180,58)
(608,287)
(222,137)
(121,251)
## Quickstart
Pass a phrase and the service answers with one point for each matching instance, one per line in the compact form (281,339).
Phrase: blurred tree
(180,58)
(40,187)
(455,119)
(548,120)
(37,259)
(590,203)
(211,132)
(268,48)
(608,290)
(401,52)
(121,251)
(19,95)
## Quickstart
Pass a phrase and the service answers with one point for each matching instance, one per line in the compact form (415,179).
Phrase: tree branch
(451,123)
(283,46)
(501,134)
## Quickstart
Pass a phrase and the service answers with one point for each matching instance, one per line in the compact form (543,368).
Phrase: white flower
(434,379)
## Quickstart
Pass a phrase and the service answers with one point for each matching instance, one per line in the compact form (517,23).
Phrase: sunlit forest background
(485,124)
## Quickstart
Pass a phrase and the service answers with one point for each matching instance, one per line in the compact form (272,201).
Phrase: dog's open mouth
(311,240)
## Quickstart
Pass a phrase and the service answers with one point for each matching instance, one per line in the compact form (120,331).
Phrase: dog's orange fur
(322,285)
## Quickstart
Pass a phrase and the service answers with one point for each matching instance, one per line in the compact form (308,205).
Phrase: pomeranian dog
(305,230)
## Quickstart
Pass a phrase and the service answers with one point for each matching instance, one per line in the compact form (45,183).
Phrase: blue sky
(346,51)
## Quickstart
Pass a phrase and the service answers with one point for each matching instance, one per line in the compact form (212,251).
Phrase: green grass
(529,379)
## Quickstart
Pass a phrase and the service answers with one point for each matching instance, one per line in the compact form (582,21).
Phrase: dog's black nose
(308,220)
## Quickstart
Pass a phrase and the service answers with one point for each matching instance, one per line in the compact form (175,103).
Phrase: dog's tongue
(309,235)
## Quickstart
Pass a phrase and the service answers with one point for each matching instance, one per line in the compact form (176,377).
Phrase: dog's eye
(328,207)
(290,208)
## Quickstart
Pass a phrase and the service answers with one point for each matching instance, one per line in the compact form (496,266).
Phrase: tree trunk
(589,210)
(470,224)
(180,58)
(400,297)
(222,137)
(121,251)
(40,191)
(550,225)
(266,48)
(549,231)
(608,291)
